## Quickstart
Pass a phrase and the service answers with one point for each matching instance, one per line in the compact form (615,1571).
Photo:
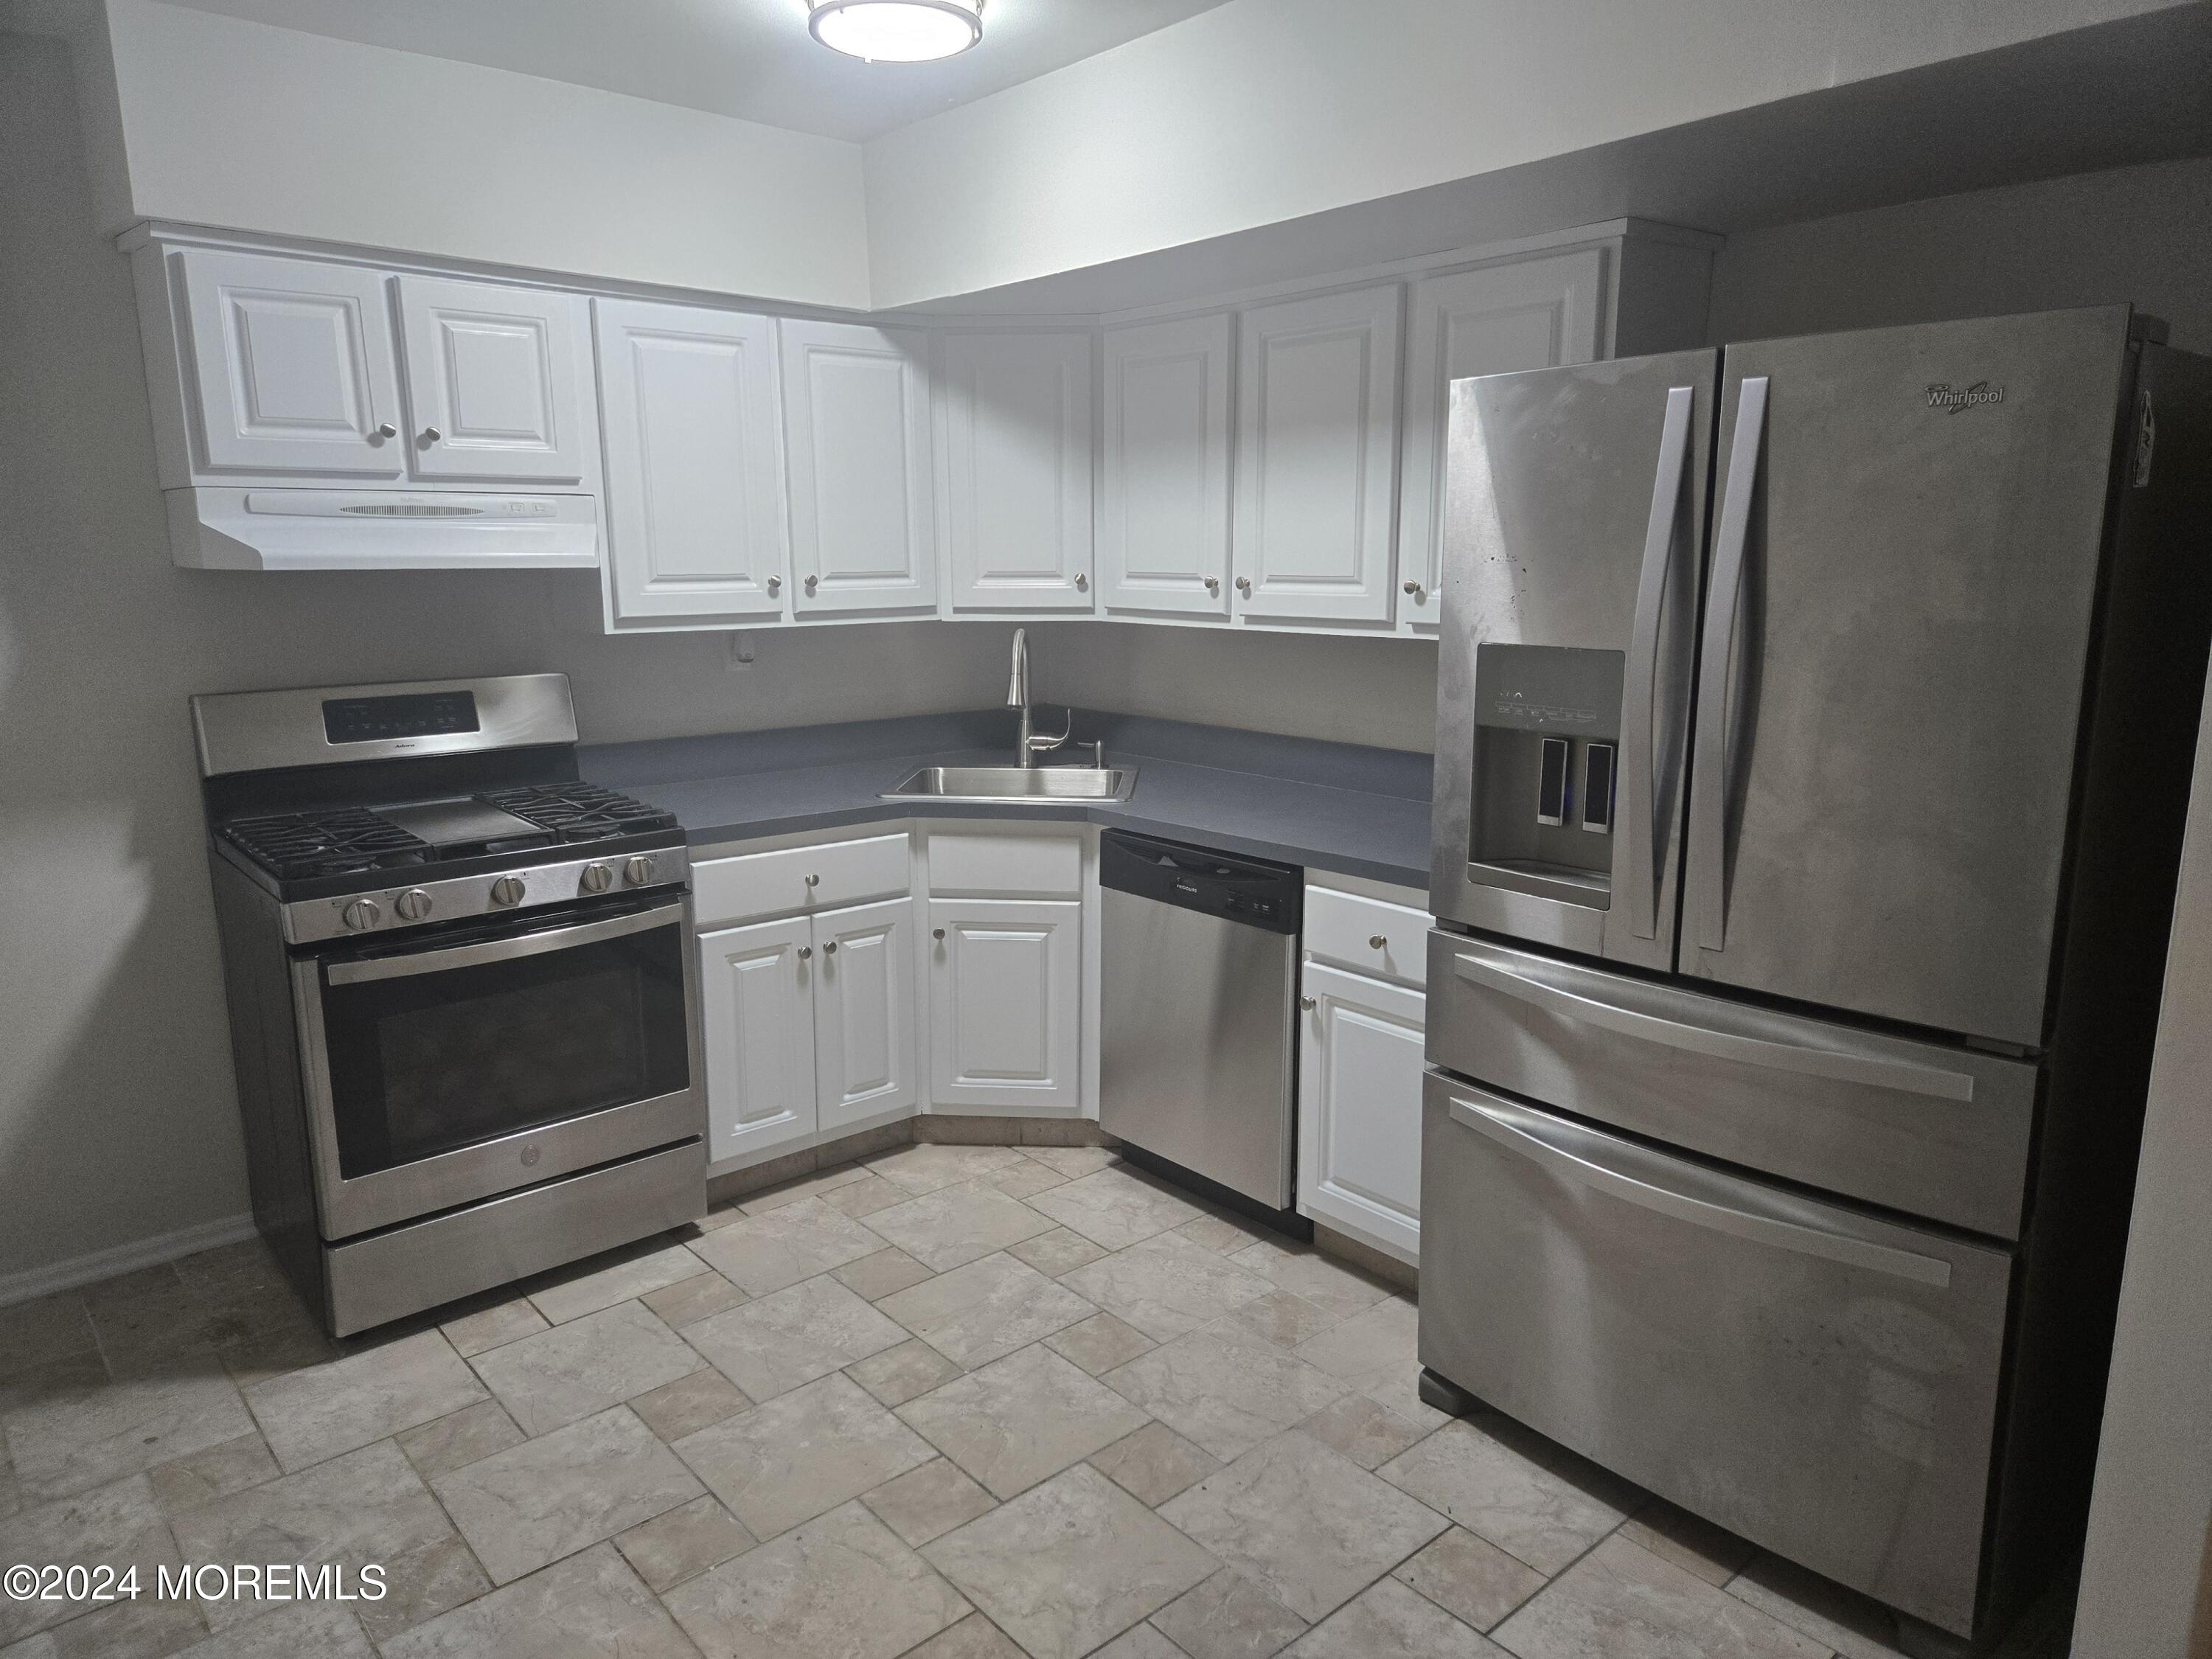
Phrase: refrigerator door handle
(1641,839)
(1638,1177)
(1709,791)
(1699,1037)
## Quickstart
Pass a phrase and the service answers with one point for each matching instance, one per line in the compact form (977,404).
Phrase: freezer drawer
(1820,1382)
(1931,1130)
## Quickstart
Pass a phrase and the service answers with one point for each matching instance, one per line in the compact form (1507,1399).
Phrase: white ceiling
(751,58)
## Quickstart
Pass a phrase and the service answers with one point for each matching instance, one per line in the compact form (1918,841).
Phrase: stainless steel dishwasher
(1198,1034)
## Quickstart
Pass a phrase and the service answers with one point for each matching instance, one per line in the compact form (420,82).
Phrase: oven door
(483,1060)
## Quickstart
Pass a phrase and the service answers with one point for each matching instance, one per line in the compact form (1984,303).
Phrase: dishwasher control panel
(1254,891)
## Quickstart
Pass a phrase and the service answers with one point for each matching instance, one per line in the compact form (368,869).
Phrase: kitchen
(961,456)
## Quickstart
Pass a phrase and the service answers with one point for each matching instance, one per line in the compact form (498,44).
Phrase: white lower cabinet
(1005,1005)
(809,1025)
(1360,1109)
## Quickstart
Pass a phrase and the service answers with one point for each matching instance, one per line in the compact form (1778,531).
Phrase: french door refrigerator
(1813,731)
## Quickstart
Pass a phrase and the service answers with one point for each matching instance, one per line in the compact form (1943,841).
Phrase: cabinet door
(1316,457)
(1533,313)
(495,380)
(1164,497)
(293,365)
(856,442)
(863,1052)
(1360,1109)
(694,504)
(757,986)
(1016,470)
(1006,1004)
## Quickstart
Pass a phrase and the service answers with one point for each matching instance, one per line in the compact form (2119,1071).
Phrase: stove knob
(507,890)
(363,914)
(638,870)
(413,905)
(595,878)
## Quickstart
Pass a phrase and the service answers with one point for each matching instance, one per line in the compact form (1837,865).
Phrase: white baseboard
(90,1268)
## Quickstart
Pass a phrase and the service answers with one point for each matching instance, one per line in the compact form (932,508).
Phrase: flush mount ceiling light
(896,31)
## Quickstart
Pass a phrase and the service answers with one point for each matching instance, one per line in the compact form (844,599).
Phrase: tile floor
(953,1401)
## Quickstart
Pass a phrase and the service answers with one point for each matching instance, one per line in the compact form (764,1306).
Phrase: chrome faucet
(1027,744)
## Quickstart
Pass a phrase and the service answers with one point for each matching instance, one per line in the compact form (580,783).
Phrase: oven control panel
(418,904)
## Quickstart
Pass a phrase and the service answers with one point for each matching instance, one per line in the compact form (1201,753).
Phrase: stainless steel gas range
(460,1000)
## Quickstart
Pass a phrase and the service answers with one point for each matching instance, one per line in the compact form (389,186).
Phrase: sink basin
(1041,783)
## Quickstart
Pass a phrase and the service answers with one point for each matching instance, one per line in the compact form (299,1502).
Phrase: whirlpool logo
(1957,400)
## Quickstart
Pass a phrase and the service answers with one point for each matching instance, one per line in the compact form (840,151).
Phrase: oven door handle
(361,970)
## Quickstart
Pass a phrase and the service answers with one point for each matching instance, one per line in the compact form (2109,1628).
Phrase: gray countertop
(1325,806)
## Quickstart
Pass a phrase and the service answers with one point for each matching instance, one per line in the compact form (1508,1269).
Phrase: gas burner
(337,842)
(580,812)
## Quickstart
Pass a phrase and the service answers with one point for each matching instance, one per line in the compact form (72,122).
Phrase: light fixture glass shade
(897,31)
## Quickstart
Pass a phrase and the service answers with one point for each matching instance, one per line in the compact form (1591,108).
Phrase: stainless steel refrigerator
(1813,743)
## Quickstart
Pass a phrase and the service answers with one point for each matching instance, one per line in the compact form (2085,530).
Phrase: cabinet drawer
(725,890)
(1006,863)
(1343,929)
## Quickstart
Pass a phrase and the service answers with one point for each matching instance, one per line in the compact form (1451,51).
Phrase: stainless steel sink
(1040,783)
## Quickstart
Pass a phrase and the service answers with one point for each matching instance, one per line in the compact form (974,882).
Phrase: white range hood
(220,529)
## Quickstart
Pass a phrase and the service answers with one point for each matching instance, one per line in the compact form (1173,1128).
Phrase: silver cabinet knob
(1214,584)
(595,878)
(507,890)
(639,871)
(431,434)
(829,948)
(1244,586)
(805,951)
(1420,593)
(813,582)
(936,934)
(814,881)
(363,913)
(1380,941)
(775,583)
(413,905)
(387,430)
(1082,582)
(1306,1003)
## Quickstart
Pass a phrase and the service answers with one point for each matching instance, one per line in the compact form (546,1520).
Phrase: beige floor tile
(92,1432)
(585,1608)
(763,1254)
(1025,1179)
(1223,1233)
(876,1276)
(1231,1616)
(928,1502)
(1075,1162)
(956,1224)
(200,1477)
(1475,1582)
(683,1542)
(1016,1421)
(1622,1599)
(1531,1499)
(532,1503)
(1116,1207)
(120,1524)
(1100,1343)
(815,1184)
(11,1494)
(1166,1286)
(45,1328)
(841,1585)
(1391,1619)
(772,1345)
(1069,1564)
(1322,1279)
(1690,1541)
(1285,1320)
(976,1637)
(477,1333)
(689,1403)
(863,1197)
(70,1376)
(141,1629)
(898,1375)
(312,1415)
(575,1294)
(1057,1252)
(1154,1464)
(1366,1430)
(802,1454)
(1311,1526)
(1376,1339)
(365,1506)
(926,1167)
(452,1443)
(147,1312)
(690,1300)
(1139,1642)
(1855,1626)
(573,1370)
(310,1631)
(1225,1388)
(986,1310)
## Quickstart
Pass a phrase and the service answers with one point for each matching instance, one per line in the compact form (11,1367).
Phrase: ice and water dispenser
(1547,762)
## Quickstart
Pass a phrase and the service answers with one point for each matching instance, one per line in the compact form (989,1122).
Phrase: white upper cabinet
(1015,470)
(1316,457)
(857,442)
(1496,319)
(495,380)
(1164,497)
(693,490)
(293,365)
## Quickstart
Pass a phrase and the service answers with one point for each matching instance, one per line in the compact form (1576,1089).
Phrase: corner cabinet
(856,426)
(1005,1005)
(1164,484)
(1014,470)
(695,530)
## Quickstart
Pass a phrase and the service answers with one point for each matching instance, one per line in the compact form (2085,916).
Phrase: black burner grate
(582,811)
(334,842)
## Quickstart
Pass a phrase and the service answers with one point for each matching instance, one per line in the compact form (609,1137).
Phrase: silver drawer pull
(1379,941)
(1522,1132)
(829,948)
(364,970)
(1879,1070)
(806,952)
